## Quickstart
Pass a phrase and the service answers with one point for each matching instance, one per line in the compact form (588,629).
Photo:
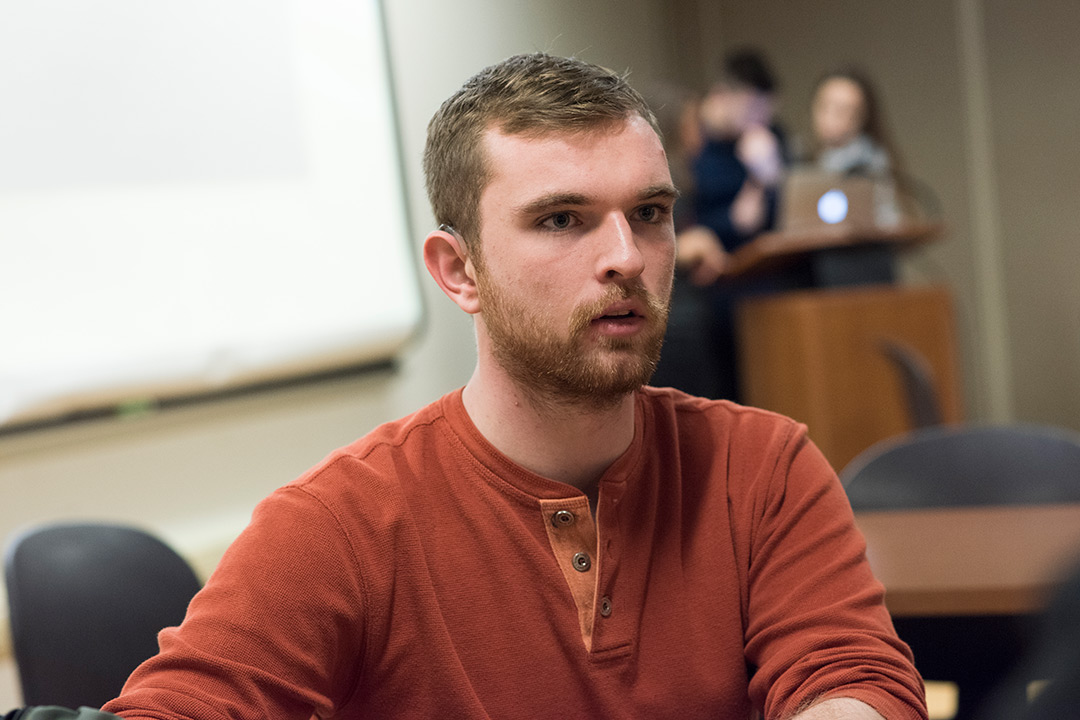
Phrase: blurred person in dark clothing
(735,172)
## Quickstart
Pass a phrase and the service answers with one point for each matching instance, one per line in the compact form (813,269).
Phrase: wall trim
(989,271)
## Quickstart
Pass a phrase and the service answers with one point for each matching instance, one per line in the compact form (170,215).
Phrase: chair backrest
(86,604)
(917,378)
(967,466)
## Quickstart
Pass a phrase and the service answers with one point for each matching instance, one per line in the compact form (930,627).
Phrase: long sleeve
(817,625)
(271,633)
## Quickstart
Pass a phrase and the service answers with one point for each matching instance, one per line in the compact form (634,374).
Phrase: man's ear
(448,262)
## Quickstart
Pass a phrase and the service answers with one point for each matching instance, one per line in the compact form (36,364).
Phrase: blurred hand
(701,254)
(758,149)
(749,209)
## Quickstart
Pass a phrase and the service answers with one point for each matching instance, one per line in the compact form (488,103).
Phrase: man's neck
(571,443)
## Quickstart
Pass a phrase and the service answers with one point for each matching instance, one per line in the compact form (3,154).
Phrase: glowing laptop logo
(832,207)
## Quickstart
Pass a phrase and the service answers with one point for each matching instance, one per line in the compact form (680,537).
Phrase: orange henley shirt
(418,573)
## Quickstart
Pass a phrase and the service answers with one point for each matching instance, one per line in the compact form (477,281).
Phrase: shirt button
(563,518)
(581,562)
(605,606)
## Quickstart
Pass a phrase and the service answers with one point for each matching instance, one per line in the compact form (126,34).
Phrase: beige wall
(194,474)
(1032,60)
(982,99)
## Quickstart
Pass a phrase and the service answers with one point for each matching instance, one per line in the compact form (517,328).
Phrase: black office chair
(86,603)
(1054,659)
(965,467)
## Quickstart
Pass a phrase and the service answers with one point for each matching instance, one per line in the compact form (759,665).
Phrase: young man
(553,538)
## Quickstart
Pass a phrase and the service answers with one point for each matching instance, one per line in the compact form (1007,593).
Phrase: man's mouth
(618,315)
(623,310)
(619,321)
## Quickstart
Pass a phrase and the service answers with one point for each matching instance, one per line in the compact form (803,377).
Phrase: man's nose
(620,256)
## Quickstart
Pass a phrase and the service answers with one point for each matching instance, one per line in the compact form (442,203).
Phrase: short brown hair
(530,94)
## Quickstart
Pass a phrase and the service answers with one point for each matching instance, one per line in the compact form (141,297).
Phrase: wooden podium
(828,246)
(819,355)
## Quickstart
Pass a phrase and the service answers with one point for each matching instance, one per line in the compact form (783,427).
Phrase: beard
(572,368)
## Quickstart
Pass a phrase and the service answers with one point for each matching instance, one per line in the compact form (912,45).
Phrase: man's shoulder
(403,430)
(415,434)
(747,451)
(705,430)
(691,411)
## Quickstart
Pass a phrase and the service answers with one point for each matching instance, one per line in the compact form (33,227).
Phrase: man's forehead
(632,146)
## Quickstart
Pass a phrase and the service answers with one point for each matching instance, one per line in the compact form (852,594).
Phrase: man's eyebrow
(663,191)
(552,201)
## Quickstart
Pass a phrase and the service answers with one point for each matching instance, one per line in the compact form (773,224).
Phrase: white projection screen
(195,195)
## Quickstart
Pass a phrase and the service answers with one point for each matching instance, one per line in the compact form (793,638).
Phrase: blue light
(832,207)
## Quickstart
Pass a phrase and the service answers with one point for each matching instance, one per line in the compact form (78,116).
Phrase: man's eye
(652,213)
(559,221)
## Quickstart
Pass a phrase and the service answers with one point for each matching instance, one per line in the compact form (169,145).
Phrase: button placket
(606,547)
(564,519)
(571,531)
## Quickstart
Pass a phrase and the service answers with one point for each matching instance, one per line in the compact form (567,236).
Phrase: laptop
(812,199)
